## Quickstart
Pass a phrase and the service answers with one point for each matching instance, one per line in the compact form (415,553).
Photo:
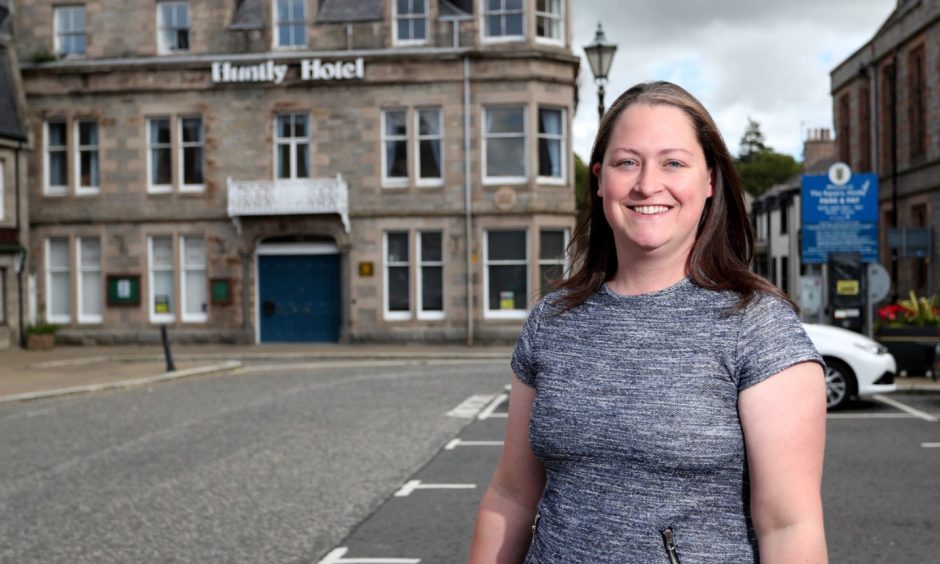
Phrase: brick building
(297,170)
(886,104)
(14,225)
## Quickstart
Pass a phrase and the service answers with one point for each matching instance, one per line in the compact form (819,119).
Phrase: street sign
(879,283)
(839,214)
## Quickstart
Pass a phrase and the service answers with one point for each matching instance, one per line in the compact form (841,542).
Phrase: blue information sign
(839,217)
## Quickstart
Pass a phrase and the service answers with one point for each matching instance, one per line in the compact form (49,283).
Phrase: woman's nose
(647,181)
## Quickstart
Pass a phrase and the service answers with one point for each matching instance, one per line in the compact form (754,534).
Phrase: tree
(759,165)
(752,142)
(582,183)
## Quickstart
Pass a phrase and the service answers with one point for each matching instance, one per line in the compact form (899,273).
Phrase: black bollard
(166,350)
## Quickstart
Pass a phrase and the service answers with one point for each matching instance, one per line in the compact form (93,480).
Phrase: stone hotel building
(296,170)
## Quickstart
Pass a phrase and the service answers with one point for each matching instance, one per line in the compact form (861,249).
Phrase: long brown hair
(723,245)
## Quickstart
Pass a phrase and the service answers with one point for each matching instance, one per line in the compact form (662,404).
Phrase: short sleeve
(770,340)
(523,356)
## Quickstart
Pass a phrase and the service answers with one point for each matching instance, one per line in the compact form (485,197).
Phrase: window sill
(56,191)
(503,180)
(395,183)
(505,314)
(431,315)
(59,320)
(159,189)
(87,191)
(193,189)
(195,319)
(436,183)
(549,41)
(90,320)
(290,47)
(552,180)
(397,316)
(162,318)
(410,43)
(502,38)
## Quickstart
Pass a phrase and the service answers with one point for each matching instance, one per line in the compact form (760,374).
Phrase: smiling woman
(663,377)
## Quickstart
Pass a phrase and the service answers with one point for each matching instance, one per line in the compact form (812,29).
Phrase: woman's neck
(642,275)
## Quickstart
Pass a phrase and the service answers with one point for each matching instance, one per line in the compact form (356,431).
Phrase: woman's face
(653,182)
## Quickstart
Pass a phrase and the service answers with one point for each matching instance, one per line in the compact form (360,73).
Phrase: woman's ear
(596,171)
(711,183)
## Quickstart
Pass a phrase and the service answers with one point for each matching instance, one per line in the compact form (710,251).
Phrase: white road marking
(906,408)
(458,442)
(930,445)
(469,407)
(413,485)
(336,557)
(488,412)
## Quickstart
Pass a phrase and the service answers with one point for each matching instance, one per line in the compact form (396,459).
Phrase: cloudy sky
(766,59)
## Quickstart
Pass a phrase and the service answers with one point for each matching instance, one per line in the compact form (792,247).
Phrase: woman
(667,404)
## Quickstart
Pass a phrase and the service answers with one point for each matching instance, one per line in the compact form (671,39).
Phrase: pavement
(66,370)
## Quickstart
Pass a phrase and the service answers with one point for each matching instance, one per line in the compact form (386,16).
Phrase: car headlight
(872,347)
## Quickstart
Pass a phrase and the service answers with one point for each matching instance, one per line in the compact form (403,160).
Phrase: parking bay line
(871,416)
(336,557)
(930,445)
(413,485)
(470,407)
(906,408)
(460,442)
(488,412)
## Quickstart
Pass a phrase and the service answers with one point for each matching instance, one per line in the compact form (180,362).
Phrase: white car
(856,366)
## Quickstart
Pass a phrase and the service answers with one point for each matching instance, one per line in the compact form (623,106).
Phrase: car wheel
(840,383)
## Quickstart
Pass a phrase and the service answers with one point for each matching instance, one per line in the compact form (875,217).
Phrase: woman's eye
(627,162)
(674,164)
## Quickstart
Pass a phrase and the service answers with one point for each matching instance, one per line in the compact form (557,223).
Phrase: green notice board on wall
(123,289)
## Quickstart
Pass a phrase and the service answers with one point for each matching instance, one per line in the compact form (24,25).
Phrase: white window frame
(184,268)
(80,271)
(91,189)
(162,47)
(50,189)
(57,33)
(395,315)
(158,188)
(275,39)
(395,22)
(293,142)
(420,180)
(50,317)
(394,181)
(2,191)
(564,259)
(491,180)
(174,303)
(562,139)
(182,146)
(559,18)
(504,313)
(3,295)
(501,38)
(420,262)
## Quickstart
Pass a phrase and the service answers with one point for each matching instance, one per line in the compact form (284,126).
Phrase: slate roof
(343,11)
(10,126)
(248,15)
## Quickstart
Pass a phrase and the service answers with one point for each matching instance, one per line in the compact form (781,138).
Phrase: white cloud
(765,59)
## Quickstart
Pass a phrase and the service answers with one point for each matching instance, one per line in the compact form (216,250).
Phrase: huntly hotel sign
(269,71)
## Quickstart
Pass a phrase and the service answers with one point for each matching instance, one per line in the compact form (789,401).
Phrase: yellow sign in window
(847,287)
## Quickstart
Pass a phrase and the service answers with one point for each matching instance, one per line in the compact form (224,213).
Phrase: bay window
(504,152)
(552,263)
(411,21)
(503,19)
(549,20)
(552,144)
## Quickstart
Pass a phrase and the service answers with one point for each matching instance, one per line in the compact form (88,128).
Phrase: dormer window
(290,23)
(173,26)
(411,21)
(70,31)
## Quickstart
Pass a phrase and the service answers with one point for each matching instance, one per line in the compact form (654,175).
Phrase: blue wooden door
(299,298)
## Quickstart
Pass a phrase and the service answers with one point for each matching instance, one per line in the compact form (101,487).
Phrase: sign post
(840,215)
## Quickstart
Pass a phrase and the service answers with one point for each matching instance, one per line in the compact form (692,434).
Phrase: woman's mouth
(649,210)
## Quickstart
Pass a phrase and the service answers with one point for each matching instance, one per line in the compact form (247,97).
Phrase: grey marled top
(635,420)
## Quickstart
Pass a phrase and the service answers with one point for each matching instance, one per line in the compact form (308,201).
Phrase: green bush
(42,329)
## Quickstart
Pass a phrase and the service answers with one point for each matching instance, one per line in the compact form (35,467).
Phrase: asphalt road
(272,465)
(303,464)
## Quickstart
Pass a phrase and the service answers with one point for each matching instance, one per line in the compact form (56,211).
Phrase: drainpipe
(19,275)
(468,200)
(893,76)
(349,37)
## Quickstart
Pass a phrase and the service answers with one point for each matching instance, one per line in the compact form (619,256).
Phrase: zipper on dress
(669,541)
(535,526)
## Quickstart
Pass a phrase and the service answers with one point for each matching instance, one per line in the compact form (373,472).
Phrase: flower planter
(914,348)
(40,341)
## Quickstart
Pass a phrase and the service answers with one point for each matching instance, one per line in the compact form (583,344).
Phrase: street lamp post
(600,54)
